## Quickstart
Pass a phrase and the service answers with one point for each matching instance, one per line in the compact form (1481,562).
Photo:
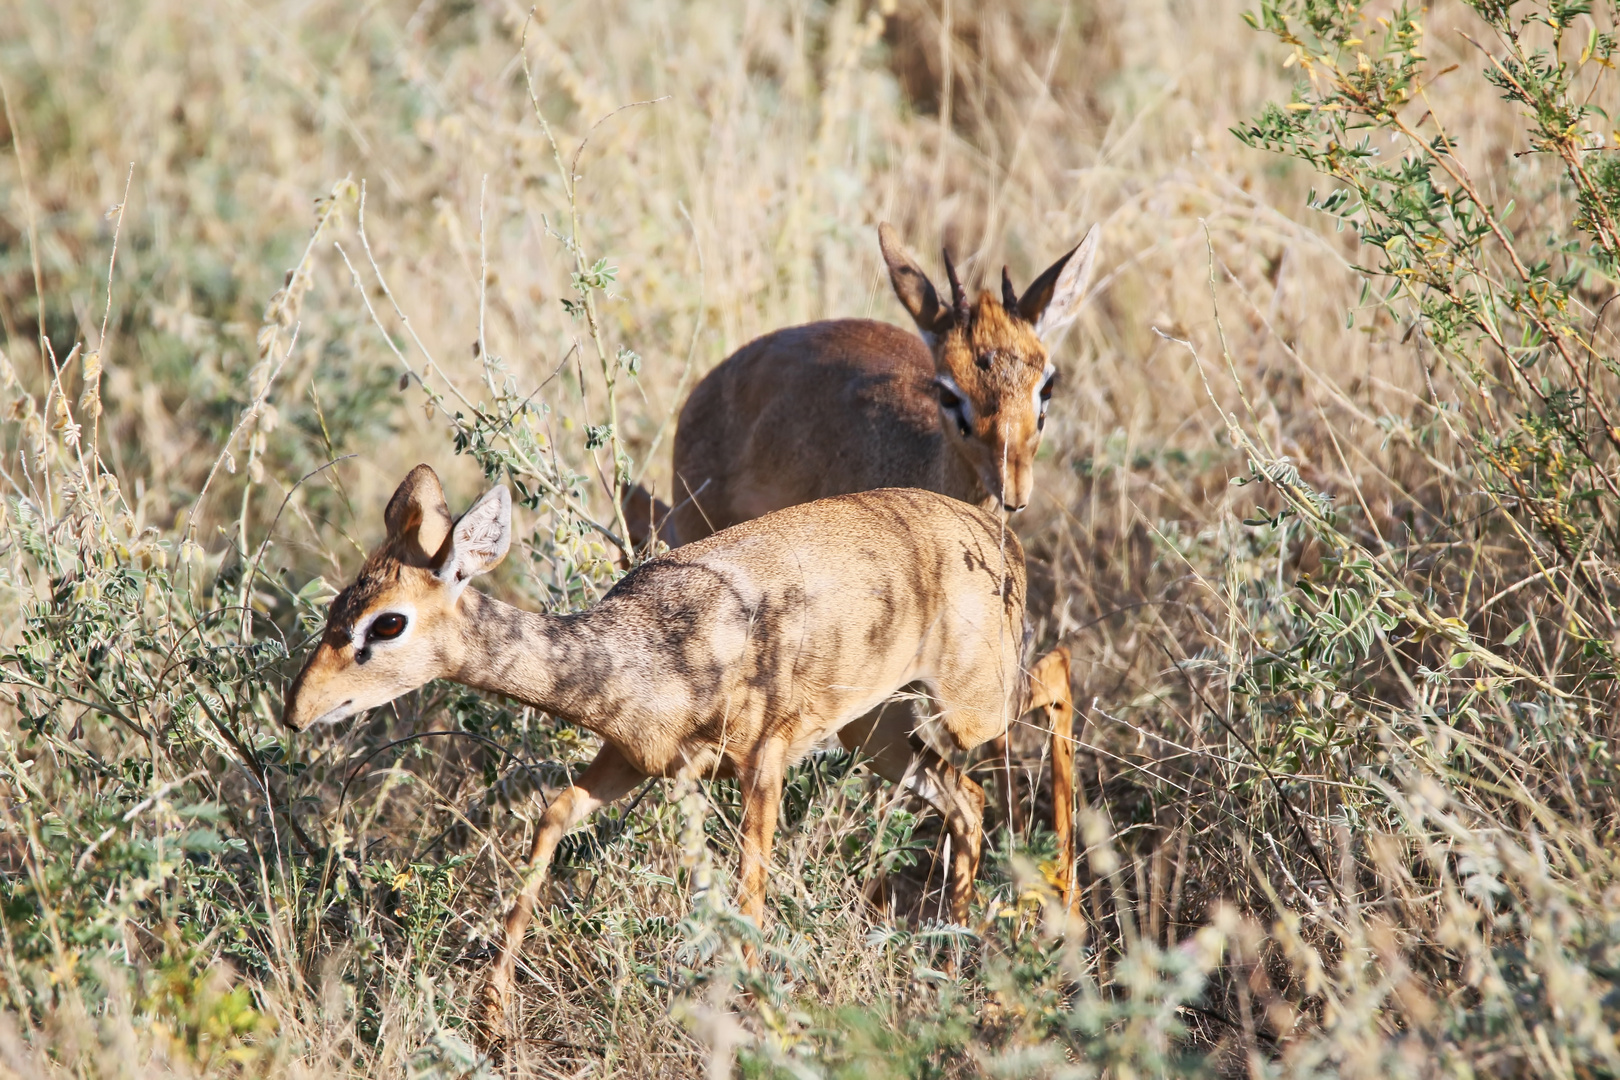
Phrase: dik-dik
(728,657)
(853,404)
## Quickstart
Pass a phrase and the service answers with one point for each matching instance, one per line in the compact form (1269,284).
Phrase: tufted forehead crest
(997,354)
(994,329)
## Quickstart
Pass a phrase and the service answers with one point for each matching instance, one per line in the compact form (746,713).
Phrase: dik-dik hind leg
(761,782)
(998,758)
(609,778)
(1049,690)
(885,735)
(961,800)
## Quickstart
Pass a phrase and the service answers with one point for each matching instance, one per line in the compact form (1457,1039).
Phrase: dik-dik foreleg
(885,735)
(998,760)
(1049,691)
(609,778)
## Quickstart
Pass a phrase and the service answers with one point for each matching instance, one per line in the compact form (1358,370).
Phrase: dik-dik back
(853,405)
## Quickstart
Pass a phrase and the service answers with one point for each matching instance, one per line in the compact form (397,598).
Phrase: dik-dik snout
(399,626)
(993,375)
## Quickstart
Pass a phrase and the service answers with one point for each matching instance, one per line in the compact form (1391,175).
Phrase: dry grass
(1317,882)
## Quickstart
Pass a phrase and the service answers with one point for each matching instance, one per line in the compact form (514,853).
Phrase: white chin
(332,716)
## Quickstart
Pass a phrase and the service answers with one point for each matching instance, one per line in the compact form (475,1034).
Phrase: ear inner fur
(911,286)
(417,518)
(1052,300)
(480,538)
(1039,293)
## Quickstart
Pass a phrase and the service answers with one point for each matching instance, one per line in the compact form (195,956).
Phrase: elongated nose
(1017,482)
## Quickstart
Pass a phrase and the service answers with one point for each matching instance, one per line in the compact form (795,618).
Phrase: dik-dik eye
(386,626)
(1044,399)
(955,407)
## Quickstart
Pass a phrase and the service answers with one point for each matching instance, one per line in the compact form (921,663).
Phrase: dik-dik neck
(561,664)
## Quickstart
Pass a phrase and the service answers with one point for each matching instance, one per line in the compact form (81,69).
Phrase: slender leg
(961,801)
(608,778)
(882,735)
(999,756)
(885,734)
(761,782)
(1049,690)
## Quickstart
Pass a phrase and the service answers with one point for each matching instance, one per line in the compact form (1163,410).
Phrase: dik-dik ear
(1052,302)
(417,518)
(912,286)
(479,540)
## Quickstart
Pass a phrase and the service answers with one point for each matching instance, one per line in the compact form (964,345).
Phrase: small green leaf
(314,588)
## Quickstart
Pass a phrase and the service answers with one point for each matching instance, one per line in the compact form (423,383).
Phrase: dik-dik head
(991,369)
(399,625)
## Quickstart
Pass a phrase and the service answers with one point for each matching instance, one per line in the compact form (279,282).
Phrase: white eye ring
(375,631)
(1042,394)
(961,410)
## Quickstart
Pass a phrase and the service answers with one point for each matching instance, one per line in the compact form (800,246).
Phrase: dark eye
(387,626)
(1046,399)
(955,407)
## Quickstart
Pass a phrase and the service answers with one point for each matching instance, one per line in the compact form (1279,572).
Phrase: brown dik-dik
(853,404)
(729,657)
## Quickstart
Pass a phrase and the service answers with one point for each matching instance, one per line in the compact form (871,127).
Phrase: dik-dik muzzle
(992,372)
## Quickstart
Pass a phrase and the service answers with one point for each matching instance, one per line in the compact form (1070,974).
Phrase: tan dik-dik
(729,657)
(853,404)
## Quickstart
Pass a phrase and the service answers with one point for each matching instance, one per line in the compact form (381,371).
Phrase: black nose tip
(1011,509)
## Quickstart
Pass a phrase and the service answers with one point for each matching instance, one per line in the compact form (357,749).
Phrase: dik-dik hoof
(489,1024)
